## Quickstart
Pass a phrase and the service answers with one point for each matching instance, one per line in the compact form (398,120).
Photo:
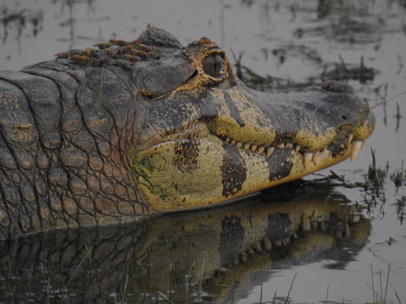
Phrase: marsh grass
(400,206)
(376,175)
(380,296)
(399,176)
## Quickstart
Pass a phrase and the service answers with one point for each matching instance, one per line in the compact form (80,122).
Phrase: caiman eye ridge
(308,156)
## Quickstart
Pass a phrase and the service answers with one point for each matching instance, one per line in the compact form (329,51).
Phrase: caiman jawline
(308,156)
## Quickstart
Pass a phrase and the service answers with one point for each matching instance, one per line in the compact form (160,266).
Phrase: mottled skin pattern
(114,134)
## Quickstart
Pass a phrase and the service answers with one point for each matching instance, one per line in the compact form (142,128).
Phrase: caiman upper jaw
(330,119)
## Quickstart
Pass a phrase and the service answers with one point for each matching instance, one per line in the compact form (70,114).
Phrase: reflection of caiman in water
(215,253)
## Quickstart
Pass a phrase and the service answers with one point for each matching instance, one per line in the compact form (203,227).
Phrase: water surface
(297,41)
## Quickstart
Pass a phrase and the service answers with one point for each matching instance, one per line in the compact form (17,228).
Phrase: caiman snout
(363,119)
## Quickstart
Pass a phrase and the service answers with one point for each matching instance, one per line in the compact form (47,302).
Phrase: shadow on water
(214,256)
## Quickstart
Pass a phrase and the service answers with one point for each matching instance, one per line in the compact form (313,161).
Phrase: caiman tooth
(228,139)
(297,148)
(267,244)
(239,144)
(261,150)
(269,151)
(350,138)
(315,156)
(254,148)
(233,142)
(307,157)
(294,235)
(289,146)
(246,146)
(356,146)
(281,145)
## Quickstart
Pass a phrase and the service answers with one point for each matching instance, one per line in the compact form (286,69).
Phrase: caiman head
(205,138)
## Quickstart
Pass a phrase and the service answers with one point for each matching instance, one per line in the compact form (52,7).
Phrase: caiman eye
(213,65)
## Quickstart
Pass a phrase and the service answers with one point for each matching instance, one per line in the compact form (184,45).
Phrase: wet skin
(130,129)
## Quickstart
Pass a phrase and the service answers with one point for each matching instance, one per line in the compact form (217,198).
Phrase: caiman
(128,129)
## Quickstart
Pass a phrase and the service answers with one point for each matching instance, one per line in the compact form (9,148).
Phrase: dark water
(202,257)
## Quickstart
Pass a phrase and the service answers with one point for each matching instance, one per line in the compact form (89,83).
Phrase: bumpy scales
(129,129)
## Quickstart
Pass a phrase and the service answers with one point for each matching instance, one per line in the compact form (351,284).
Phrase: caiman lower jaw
(336,147)
(185,174)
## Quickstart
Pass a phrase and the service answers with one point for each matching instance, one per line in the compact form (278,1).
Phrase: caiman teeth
(308,157)
(356,146)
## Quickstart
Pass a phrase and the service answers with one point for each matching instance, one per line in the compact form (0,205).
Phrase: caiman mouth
(338,146)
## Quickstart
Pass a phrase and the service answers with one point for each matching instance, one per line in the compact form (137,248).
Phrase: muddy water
(298,42)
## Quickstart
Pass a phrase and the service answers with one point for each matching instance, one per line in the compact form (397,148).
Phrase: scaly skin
(130,129)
